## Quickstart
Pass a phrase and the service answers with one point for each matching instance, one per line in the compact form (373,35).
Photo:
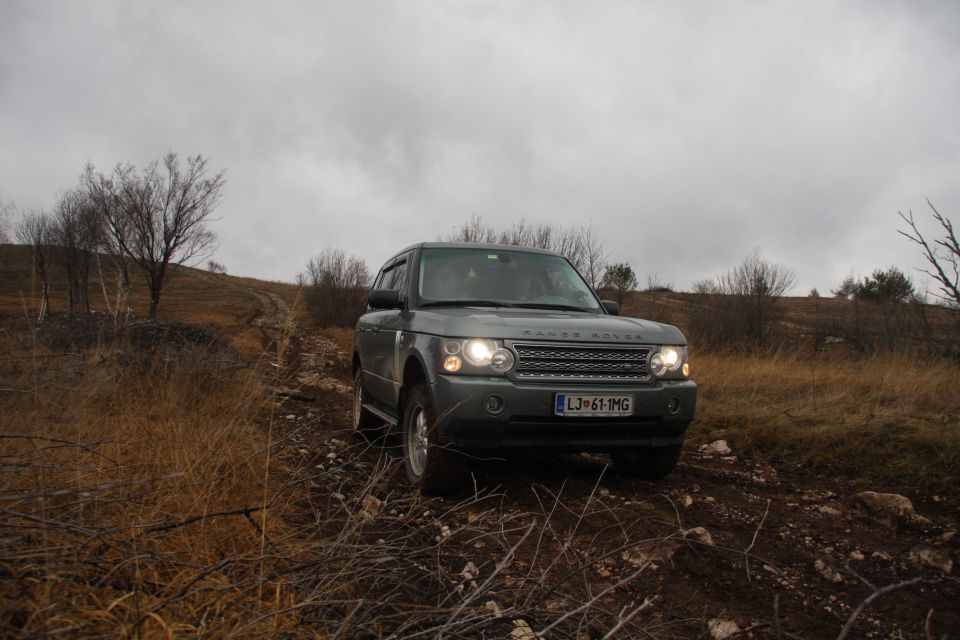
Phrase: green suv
(484,349)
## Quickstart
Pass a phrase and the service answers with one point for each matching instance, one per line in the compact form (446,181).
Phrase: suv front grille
(584,363)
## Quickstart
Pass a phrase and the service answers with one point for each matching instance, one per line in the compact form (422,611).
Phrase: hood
(536,324)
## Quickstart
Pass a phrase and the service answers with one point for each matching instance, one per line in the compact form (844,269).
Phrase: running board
(380,413)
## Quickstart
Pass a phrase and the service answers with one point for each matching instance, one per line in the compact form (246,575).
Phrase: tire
(364,423)
(427,464)
(650,464)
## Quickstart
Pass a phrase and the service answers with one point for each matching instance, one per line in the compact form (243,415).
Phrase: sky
(686,133)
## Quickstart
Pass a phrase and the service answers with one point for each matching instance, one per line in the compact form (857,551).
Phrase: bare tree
(105,197)
(34,230)
(943,254)
(336,287)
(473,230)
(158,217)
(582,246)
(6,210)
(216,267)
(594,255)
(76,232)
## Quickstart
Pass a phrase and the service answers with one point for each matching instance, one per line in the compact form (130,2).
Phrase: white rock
(470,571)
(856,555)
(722,629)
(686,501)
(887,509)
(522,631)
(934,558)
(718,447)
(828,572)
(699,534)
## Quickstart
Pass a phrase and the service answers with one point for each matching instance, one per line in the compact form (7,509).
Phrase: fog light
(494,404)
(452,364)
(673,406)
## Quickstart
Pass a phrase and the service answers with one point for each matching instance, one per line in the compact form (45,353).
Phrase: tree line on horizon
(740,306)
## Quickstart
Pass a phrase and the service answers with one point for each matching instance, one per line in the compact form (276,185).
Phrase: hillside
(199,475)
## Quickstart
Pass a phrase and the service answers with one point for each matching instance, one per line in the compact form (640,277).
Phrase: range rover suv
(485,349)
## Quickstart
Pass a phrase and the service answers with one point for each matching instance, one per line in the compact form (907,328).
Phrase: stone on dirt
(522,631)
(827,572)
(699,534)
(722,629)
(886,509)
(934,558)
(372,505)
(718,447)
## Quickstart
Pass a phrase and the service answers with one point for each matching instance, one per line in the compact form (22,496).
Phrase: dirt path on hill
(723,548)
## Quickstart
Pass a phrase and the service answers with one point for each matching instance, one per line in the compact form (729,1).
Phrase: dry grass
(116,461)
(883,418)
(149,492)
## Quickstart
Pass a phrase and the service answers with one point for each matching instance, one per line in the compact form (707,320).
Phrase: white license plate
(572,404)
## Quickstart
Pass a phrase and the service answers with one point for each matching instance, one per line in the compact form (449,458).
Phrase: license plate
(570,404)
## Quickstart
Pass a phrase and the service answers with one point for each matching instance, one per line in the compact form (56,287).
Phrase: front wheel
(650,464)
(426,463)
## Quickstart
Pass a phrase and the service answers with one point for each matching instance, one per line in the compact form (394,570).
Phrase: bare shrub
(216,267)
(742,306)
(336,288)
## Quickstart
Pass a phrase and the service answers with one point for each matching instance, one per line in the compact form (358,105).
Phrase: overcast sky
(687,133)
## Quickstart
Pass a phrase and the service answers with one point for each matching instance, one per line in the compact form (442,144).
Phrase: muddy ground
(564,546)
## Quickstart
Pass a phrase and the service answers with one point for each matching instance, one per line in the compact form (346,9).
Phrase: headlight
(667,359)
(477,352)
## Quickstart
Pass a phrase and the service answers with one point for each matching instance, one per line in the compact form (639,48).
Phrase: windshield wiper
(466,303)
(545,305)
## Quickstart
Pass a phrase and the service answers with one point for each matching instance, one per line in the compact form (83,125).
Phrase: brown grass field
(146,492)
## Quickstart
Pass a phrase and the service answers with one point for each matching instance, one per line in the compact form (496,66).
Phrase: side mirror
(612,307)
(385,299)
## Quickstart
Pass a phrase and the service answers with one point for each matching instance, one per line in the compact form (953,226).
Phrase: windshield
(484,277)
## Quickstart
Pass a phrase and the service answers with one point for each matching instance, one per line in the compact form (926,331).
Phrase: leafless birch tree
(34,230)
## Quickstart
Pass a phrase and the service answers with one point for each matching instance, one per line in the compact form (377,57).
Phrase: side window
(400,273)
(385,278)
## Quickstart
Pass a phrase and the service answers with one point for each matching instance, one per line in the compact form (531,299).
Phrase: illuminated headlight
(668,359)
(476,352)
(479,351)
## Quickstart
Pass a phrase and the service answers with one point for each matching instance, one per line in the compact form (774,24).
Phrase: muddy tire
(650,464)
(364,423)
(427,464)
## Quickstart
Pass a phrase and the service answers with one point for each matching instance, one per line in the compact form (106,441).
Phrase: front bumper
(527,420)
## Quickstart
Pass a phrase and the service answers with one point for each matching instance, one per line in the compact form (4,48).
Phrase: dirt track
(722,548)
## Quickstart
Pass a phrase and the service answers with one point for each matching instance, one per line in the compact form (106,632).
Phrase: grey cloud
(687,133)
